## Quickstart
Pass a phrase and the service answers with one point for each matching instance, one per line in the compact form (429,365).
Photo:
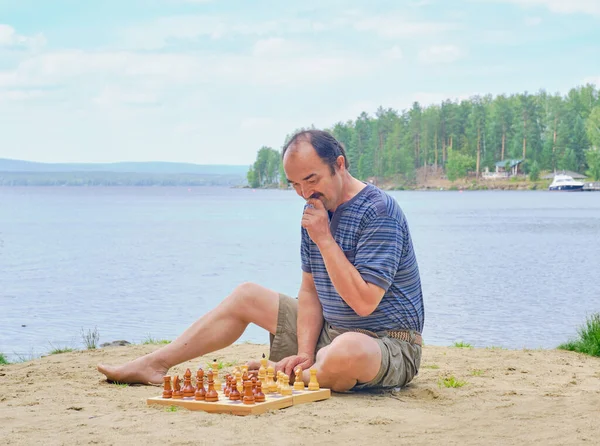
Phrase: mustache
(315,195)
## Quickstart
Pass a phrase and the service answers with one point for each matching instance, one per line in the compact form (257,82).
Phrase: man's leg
(222,326)
(350,359)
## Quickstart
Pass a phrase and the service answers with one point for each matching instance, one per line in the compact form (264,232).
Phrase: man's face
(310,176)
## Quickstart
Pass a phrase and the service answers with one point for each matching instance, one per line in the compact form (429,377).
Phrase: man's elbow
(369,300)
(367,307)
(364,310)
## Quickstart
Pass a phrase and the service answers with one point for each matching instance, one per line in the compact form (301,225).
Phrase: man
(359,311)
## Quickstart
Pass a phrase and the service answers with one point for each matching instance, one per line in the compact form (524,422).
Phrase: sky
(211,82)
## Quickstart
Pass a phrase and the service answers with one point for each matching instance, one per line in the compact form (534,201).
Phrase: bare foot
(139,371)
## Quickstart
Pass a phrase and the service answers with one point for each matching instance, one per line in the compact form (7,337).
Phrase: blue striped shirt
(373,232)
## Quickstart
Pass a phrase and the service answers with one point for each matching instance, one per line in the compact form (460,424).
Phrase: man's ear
(341,162)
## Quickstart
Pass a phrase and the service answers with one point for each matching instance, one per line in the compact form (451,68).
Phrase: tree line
(549,132)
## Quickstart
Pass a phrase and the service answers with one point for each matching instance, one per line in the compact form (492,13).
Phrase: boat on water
(565,183)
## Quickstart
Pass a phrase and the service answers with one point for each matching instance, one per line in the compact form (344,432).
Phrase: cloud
(393,53)
(10,38)
(20,95)
(395,26)
(278,47)
(115,96)
(256,123)
(441,54)
(592,80)
(166,31)
(272,65)
(533,21)
(591,7)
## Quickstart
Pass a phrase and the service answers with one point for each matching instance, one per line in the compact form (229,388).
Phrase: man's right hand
(288,365)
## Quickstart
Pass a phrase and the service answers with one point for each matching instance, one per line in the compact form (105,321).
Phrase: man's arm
(362,296)
(377,258)
(310,317)
(309,324)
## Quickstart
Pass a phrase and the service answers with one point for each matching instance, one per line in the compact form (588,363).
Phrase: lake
(499,268)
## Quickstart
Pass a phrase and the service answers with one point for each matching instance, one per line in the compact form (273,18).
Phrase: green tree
(459,165)
(593,127)
(534,172)
(252,178)
(592,158)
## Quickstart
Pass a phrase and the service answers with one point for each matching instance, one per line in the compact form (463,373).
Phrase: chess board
(273,401)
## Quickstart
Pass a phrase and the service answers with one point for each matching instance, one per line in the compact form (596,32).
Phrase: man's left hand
(316,221)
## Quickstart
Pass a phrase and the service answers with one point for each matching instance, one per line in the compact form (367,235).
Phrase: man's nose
(306,193)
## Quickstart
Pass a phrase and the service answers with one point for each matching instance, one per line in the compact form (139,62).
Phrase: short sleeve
(379,251)
(305,251)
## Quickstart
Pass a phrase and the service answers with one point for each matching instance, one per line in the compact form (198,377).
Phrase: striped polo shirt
(373,232)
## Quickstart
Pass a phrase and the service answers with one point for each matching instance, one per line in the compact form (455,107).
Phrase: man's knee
(248,299)
(245,293)
(348,352)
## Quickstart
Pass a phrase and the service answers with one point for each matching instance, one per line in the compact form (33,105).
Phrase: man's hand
(288,365)
(316,221)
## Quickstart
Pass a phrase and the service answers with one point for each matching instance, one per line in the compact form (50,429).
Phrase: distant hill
(28,173)
(10,165)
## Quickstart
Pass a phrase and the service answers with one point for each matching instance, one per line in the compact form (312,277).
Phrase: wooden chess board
(273,401)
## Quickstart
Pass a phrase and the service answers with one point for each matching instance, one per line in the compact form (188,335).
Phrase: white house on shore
(504,169)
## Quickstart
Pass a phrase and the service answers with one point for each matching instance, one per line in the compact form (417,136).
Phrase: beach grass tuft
(3,360)
(462,344)
(59,350)
(152,341)
(90,338)
(477,372)
(450,382)
(172,409)
(589,338)
(118,384)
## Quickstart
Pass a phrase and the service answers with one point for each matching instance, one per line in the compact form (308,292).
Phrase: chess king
(358,315)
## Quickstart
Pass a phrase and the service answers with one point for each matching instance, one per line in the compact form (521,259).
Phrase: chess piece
(259,396)
(254,383)
(238,382)
(177,393)
(298,383)
(234,393)
(286,390)
(248,396)
(269,381)
(262,376)
(188,389)
(227,389)
(167,391)
(262,371)
(215,370)
(212,395)
(313,383)
(200,394)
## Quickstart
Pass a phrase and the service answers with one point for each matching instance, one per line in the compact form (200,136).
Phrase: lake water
(510,269)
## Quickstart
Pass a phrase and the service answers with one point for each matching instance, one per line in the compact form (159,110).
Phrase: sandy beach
(510,397)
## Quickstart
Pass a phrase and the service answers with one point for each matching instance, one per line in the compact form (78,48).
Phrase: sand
(511,397)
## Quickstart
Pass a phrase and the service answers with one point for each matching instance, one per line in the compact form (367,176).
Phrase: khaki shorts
(400,360)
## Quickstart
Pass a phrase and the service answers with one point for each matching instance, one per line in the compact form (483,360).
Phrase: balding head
(324,144)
